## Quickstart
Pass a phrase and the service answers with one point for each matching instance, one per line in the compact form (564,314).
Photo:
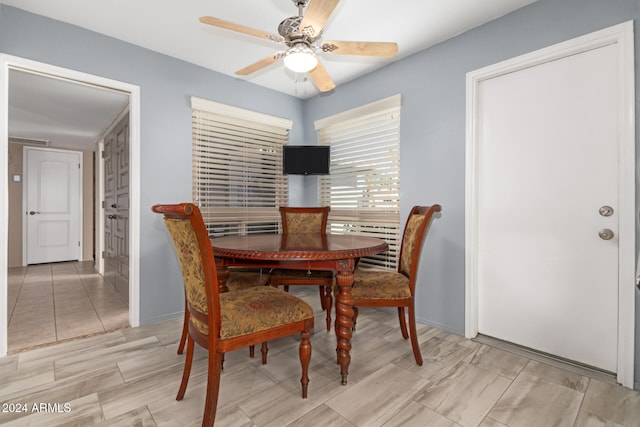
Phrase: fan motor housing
(290,26)
(290,30)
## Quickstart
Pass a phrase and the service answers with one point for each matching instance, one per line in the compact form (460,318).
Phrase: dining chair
(374,288)
(305,220)
(224,321)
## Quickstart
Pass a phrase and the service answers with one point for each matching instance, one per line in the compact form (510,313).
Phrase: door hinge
(78,243)
(103,203)
(102,254)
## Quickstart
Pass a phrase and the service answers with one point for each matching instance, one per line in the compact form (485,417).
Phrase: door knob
(606,234)
(34,213)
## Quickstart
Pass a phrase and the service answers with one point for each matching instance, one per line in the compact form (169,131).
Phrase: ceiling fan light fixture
(300,59)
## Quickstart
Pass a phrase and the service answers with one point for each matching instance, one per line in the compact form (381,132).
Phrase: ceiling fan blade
(385,49)
(317,15)
(239,28)
(321,78)
(258,65)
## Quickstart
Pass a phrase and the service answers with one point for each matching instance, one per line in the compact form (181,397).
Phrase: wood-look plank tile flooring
(49,303)
(130,377)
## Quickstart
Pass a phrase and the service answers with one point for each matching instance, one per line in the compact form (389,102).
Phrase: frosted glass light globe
(300,59)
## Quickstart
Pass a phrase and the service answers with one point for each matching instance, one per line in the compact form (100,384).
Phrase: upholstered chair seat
(383,285)
(254,309)
(257,309)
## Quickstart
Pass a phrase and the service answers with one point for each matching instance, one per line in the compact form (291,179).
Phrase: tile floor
(49,303)
(130,377)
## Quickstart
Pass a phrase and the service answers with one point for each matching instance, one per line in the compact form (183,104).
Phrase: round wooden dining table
(332,252)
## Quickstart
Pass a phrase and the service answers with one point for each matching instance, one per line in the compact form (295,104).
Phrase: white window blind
(363,188)
(237,168)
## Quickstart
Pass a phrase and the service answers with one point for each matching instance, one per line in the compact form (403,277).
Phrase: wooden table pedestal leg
(344,317)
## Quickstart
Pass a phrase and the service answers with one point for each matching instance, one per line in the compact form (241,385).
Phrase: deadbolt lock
(606,210)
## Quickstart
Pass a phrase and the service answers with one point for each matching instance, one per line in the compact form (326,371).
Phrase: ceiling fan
(301,34)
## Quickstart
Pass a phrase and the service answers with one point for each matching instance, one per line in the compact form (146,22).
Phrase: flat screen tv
(305,160)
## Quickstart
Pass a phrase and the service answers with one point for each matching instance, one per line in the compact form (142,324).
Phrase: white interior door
(549,162)
(550,142)
(53,205)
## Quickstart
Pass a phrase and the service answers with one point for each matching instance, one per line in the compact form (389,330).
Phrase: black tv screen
(305,159)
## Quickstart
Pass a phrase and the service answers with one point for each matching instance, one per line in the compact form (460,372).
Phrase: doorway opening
(9,66)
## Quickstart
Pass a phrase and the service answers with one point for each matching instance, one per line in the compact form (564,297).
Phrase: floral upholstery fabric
(409,242)
(372,284)
(259,309)
(304,222)
(186,245)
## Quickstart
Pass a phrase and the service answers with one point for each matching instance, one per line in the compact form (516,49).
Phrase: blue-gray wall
(432,83)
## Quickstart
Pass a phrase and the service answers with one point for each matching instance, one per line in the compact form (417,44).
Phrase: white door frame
(99,196)
(8,62)
(25,188)
(622,36)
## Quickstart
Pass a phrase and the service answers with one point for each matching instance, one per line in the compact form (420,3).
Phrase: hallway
(49,303)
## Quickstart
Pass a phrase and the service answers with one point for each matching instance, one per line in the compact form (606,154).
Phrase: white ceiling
(64,113)
(172,28)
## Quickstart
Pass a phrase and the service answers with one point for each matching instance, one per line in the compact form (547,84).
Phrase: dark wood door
(116,227)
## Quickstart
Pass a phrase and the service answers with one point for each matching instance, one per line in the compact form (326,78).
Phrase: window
(237,168)
(363,188)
